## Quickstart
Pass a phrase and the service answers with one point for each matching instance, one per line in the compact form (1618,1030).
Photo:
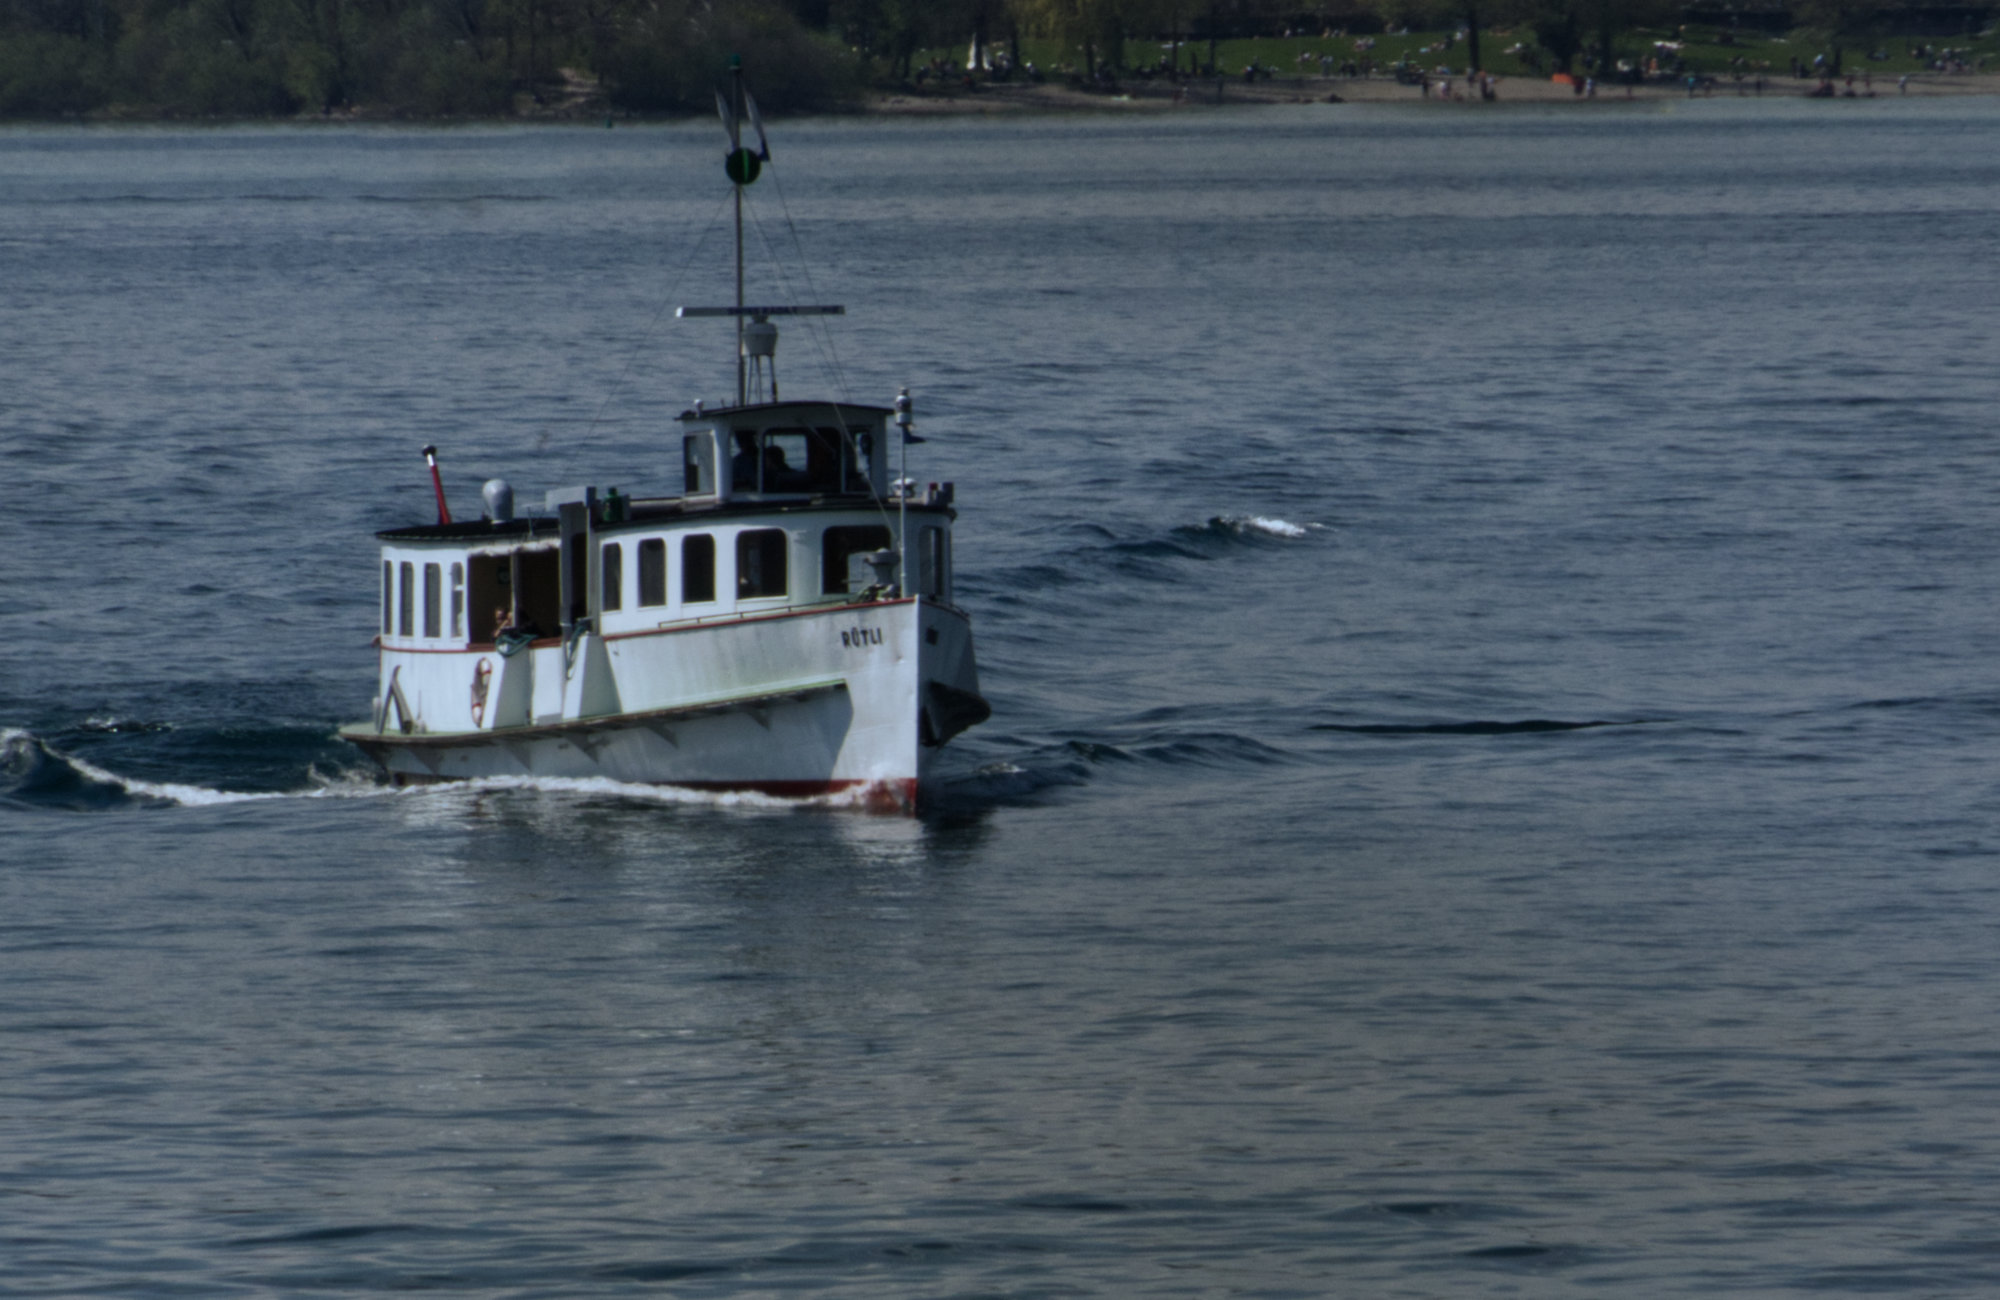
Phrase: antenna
(757,341)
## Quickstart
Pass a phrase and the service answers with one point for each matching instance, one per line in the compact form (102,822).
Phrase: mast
(736,115)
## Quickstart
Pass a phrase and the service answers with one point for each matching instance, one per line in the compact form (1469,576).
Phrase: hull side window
(697,568)
(760,562)
(653,572)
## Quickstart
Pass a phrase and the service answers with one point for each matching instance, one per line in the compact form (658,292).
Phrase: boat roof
(847,409)
(644,511)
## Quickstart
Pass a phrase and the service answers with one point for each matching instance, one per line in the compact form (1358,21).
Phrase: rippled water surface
(1491,622)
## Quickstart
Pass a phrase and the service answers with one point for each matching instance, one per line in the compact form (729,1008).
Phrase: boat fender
(482,678)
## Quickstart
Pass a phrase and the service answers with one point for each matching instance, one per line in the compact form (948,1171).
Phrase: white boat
(780,620)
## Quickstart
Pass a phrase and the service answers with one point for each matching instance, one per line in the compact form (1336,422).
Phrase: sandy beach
(1157,96)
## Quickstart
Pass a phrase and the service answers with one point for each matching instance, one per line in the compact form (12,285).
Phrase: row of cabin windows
(399,600)
(762,570)
(762,564)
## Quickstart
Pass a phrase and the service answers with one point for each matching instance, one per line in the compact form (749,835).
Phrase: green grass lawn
(1707,51)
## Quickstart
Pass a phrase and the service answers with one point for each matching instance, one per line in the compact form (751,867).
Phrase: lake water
(1491,619)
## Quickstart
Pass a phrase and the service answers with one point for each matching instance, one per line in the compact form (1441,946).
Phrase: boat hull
(843,698)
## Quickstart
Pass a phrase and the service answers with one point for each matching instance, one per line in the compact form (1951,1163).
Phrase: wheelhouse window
(653,571)
(838,547)
(457,602)
(697,568)
(792,460)
(406,599)
(611,572)
(743,461)
(802,460)
(760,562)
(698,463)
(388,598)
(433,600)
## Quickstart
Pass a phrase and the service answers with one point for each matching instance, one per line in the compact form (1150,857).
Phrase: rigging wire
(823,331)
(632,355)
(822,337)
(818,333)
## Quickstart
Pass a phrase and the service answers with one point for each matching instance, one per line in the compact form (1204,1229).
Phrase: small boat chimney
(499,495)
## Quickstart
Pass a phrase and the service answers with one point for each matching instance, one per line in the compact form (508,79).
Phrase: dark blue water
(1491,620)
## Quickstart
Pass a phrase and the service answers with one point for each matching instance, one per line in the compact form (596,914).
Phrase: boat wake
(34,774)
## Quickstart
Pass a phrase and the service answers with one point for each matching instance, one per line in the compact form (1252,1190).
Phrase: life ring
(482,677)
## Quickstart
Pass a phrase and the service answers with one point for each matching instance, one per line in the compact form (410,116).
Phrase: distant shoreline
(1155,96)
(1148,96)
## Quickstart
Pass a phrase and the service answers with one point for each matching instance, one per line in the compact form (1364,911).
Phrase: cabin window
(579,582)
(457,602)
(433,600)
(838,547)
(930,562)
(760,562)
(653,572)
(612,574)
(406,602)
(490,595)
(697,568)
(388,597)
(538,602)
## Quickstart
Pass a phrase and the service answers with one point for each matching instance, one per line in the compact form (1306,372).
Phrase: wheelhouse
(783,507)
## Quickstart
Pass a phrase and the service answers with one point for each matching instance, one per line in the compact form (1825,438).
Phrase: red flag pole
(437,484)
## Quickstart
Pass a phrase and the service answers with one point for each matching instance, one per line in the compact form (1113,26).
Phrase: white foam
(188,796)
(358,784)
(1268,525)
(854,796)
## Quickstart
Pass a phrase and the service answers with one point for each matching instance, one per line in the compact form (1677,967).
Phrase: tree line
(251,58)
